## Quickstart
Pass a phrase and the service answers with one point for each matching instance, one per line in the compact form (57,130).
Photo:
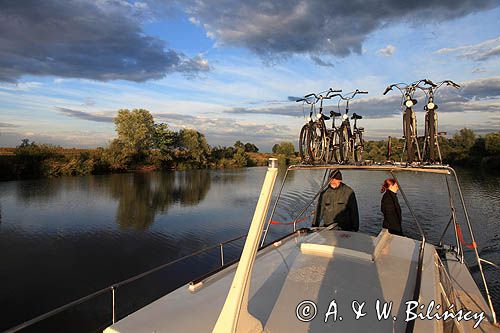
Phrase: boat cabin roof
(321,267)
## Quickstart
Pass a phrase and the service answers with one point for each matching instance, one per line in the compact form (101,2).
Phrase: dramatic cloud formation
(478,52)
(477,95)
(99,40)
(336,27)
(387,51)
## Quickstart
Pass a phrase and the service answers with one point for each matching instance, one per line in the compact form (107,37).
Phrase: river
(64,238)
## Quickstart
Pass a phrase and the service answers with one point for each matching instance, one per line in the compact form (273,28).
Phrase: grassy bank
(44,161)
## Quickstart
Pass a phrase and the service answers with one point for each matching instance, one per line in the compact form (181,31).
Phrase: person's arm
(353,211)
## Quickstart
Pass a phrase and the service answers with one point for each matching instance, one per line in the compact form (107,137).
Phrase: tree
(164,140)
(195,146)
(135,129)
(251,148)
(284,148)
(239,144)
(492,143)
(276,147)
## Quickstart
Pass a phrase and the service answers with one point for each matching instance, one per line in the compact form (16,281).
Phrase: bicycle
(332,136)
(409,119)
(314,136)
(351,141)
(305,150)
(431,134)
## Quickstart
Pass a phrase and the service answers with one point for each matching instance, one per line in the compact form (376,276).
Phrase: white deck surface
(285,276)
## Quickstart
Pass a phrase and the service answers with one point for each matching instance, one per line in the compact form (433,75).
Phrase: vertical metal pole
(494,317)
(409,207)
(113,291)
(454,218)
(274,208)
(222,254)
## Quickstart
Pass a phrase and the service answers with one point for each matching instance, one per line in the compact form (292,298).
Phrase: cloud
(387,51)
(477,52)
(84,115)
(274,29)
(98,40)
(293,110)
(225,131)
(7,125)
(320,62)
(481,88)
(476,95)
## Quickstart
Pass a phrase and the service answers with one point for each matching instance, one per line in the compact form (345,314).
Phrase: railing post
(221,254)
(113,291)
(474,244)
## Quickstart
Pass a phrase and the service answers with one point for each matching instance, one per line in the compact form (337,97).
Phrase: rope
(473,245)
(296,221)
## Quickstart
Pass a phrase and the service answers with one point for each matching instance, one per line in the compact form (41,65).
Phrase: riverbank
(45,161)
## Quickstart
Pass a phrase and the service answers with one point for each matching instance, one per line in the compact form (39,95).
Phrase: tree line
(464,148)
(141,144)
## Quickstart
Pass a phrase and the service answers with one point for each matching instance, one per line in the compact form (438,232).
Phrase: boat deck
(321,267)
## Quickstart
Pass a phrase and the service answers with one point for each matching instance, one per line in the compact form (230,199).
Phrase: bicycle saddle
(334,114)
(355,116)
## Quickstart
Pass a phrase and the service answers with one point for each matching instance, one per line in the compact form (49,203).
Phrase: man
(337,204)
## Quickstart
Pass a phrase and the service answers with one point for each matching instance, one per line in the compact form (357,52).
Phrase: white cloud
(477,52)
(387,51)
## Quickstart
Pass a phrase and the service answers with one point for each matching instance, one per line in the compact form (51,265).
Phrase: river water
(64,238)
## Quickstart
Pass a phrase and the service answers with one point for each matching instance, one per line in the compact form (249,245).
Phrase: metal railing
(438,169)
(418,280)
(113,288)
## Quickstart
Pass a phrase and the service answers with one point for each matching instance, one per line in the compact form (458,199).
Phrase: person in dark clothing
(390,207)
(337,204)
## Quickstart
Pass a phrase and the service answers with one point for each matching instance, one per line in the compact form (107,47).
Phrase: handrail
(114,287)
(418,280)
(474,244)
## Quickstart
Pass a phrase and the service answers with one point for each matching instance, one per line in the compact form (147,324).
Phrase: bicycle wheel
(358,147)
(328,148)
(432,135)
(410,152)
(336,147)
(303,143)
(317,143)
(344,144)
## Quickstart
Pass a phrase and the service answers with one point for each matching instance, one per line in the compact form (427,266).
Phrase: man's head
(335,178)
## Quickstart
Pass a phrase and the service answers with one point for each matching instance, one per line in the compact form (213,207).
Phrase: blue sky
(227,68)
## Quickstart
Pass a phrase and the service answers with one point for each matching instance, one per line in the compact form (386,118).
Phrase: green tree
(194,146)
(251,148)
(492,143)
(135,129)
(164,140)
(275,148)
(239,144)
(285,148)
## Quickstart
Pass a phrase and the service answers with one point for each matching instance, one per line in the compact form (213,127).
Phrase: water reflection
(44,190)
(141,196)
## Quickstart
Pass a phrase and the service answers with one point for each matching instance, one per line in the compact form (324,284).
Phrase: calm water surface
(61,239)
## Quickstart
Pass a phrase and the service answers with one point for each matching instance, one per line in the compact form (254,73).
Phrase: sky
(233,69)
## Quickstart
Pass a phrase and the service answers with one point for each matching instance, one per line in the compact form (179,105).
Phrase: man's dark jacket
(392,212)
(338,205)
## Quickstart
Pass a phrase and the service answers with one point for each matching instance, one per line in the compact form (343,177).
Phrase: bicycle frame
(431,133)
(352,134)
(409,118)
